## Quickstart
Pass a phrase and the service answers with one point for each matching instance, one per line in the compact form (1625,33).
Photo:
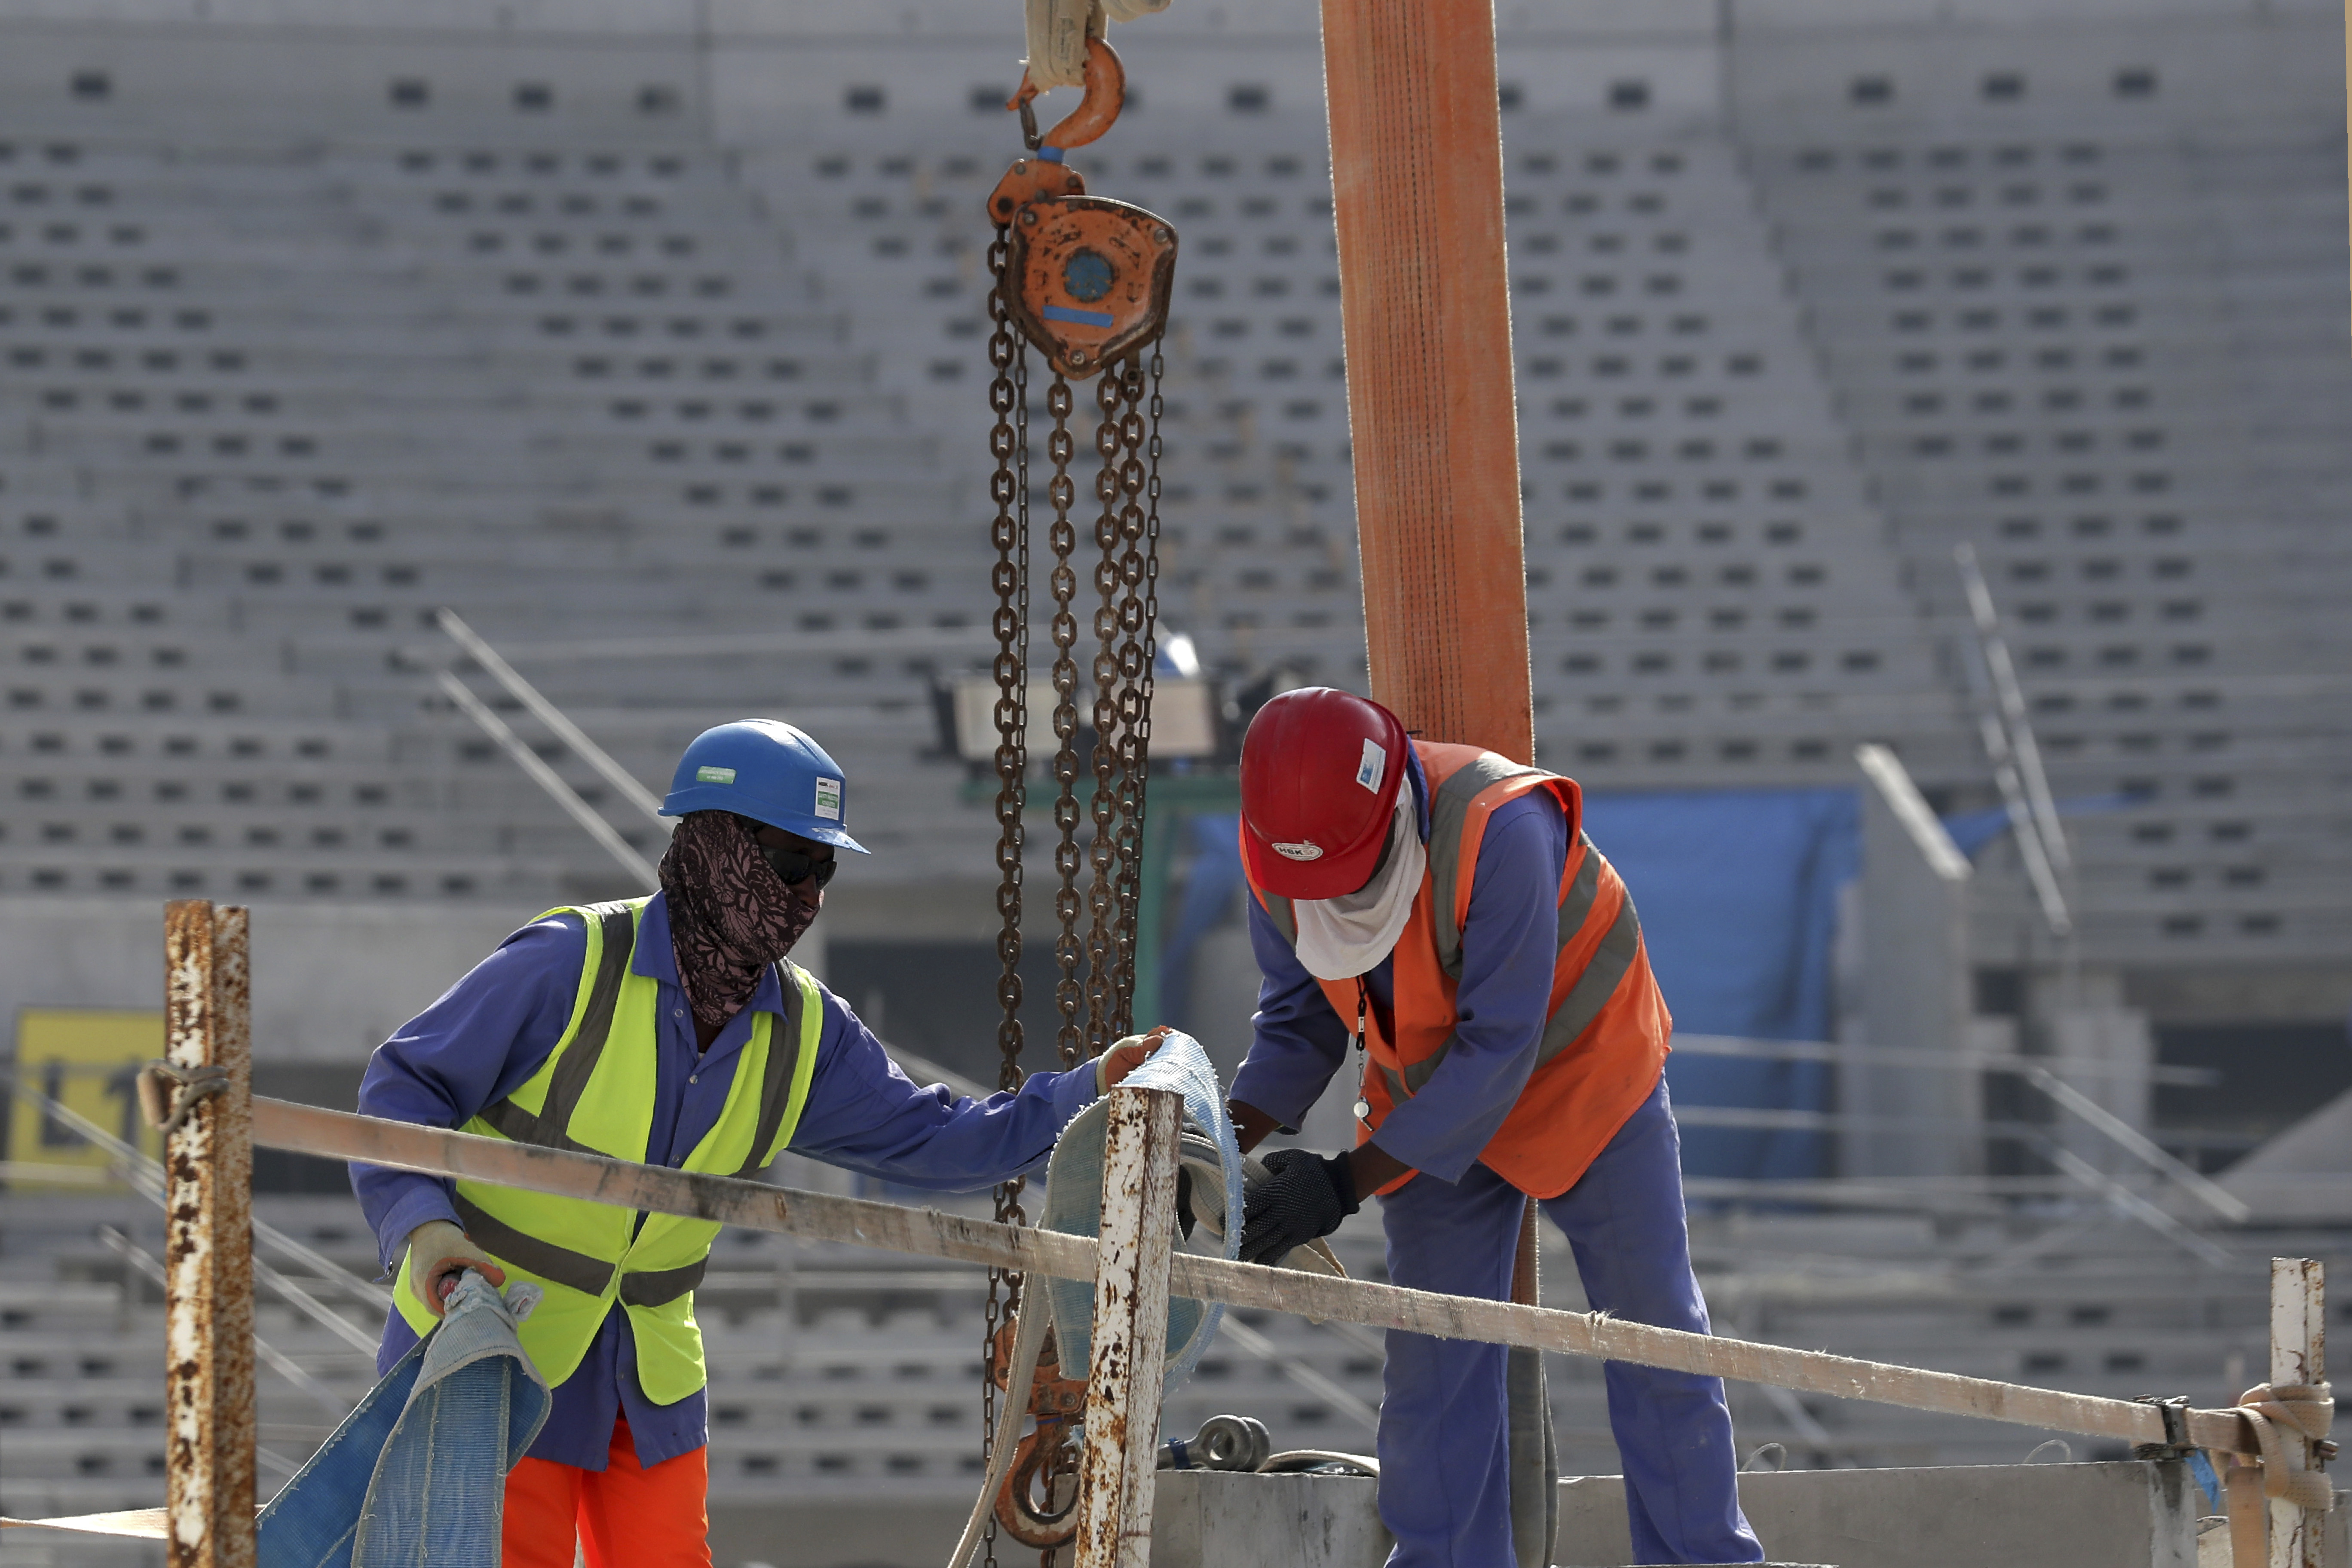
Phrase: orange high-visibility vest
(1605,1040)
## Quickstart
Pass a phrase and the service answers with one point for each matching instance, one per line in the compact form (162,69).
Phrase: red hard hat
(1320,771)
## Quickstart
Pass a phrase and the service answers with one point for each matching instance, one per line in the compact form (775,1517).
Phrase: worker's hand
(1303,1196)
(1059,31)
(438,1252)
(1129,1055)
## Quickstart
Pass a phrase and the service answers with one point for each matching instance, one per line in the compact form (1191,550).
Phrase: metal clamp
(166,1108)
(2176,1444)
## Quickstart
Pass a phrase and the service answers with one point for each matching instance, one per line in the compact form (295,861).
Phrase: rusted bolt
(1163,235)
(1029,217)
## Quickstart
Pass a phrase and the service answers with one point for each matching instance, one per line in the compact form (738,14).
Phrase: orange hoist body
(1089,278)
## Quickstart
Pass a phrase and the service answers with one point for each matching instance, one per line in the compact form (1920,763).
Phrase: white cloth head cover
(1341,938)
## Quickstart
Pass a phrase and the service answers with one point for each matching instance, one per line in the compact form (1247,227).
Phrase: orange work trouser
(624,1515)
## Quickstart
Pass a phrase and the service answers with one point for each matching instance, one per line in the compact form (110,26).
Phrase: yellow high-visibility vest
(595,1093)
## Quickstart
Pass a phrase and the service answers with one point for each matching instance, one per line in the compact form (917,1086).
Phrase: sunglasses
(793,866)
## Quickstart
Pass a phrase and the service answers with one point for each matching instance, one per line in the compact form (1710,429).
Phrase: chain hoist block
(1086,282)
(1088,278)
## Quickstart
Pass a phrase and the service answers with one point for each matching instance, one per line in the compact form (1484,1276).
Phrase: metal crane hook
(1105,94)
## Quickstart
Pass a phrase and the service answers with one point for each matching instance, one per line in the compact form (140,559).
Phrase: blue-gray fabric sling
(416,1475)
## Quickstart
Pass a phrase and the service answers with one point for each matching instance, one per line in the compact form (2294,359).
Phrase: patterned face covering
(730,916)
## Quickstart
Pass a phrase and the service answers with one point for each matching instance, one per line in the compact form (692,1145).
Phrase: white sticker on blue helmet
(714,775)
(1373,768)
(828,798)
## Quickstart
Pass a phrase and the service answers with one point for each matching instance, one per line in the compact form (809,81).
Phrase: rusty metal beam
(1433,421)
(1116,1470)
(208,1244)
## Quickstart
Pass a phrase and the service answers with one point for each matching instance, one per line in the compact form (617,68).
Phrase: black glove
(1303,1196)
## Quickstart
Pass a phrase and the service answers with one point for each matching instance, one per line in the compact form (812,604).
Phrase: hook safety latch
(166,1107)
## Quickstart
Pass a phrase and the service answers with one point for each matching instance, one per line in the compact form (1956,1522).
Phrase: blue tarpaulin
(1737,891)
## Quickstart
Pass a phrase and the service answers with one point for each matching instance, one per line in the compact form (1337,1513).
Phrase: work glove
(439,1253)
(1059,31)
(1303,1198)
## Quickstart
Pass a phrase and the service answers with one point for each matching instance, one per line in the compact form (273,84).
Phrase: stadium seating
(2047,348)
(596,366)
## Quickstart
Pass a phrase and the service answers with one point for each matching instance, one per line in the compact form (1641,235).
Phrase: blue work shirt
(1511,948)
(497,1026)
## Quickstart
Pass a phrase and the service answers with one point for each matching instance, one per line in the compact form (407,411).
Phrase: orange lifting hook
(1106,95)
(1088,279)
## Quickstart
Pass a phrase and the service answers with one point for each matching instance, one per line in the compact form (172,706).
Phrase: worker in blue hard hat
(671,1030)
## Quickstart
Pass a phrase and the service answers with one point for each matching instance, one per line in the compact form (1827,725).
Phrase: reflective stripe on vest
(594,1095)
(616,930)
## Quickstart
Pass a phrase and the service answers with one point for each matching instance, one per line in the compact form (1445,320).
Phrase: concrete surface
(2127,1515)
(863,1532)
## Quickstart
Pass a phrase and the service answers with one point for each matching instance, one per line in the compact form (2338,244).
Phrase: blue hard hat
(766,770)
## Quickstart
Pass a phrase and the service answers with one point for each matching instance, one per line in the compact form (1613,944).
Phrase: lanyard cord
(1363,1107)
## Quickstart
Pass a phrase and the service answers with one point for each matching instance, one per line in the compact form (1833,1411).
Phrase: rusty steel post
(2298,1355)
(1131,1329)
(1426,310)
(208,1244)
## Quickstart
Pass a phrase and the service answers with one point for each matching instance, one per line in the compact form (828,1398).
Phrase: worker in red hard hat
(1437,913)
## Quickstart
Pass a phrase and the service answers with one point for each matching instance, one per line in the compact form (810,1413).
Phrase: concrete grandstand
(650,339)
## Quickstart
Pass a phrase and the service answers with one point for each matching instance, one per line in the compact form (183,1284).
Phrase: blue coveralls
(1444,1437)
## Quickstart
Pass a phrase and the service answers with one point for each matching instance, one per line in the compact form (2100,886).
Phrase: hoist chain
(1139,650)
(1122,693)
(1062,582)
(1008,442)
(1102,980)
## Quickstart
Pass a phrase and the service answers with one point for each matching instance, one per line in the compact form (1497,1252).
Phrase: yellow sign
(85,1059)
